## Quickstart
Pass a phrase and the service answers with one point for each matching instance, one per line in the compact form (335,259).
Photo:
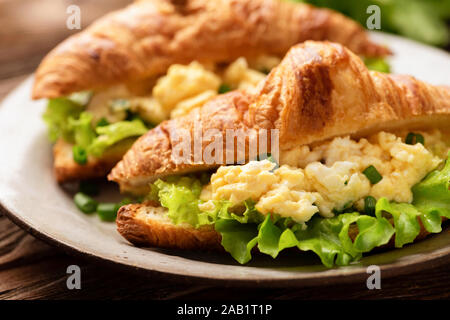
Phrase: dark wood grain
(31,269)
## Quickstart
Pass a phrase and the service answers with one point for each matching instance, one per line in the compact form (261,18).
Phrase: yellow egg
(303,186)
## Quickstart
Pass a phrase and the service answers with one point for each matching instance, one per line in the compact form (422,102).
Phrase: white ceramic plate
(31,198)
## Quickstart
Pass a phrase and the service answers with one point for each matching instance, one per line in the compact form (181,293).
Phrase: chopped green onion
(372,174)
(224,88)
(107,211)
(265,70)
(420,139)
(410,138)
(413,138)
(89,188)
(84,202)
(79,155)
(369,205)
(102,122)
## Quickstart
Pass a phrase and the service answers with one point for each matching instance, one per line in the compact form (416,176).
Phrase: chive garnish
(102,122)
(107,211)
(372,174)
(413,138)
(369,205)
(84,202)
(224,88)
(420,139)
(79,155)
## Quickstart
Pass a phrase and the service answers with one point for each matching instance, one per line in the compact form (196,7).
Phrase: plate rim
(439,257)
(304,279)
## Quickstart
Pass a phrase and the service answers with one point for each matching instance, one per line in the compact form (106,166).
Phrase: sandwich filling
(97,121)
(385,184)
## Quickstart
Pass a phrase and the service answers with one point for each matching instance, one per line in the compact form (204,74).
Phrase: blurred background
(422,20)
(30,28)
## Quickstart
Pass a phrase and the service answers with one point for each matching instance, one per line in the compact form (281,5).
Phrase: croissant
(145,38)
(319,91)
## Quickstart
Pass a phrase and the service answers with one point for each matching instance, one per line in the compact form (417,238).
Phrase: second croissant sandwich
(158,59)
(344,160)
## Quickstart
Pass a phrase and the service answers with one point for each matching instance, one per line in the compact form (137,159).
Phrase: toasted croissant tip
(146,37)
(146,225)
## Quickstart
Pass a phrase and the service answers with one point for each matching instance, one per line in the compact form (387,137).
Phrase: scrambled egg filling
(181,89)
(329,176)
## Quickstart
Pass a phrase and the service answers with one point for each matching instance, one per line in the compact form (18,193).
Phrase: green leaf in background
(113,133)
(422,20)
(377,64)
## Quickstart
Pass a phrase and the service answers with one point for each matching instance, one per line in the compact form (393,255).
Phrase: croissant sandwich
(158,59)
(324,155)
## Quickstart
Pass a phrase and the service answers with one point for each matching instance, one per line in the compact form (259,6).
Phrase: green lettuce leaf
(405,216)
(372,232)
(322,237)
(432,195)
(57,115)
(181,198)
(65,118)
(250,215)
(113,133)
(328,238)
(340,240)
(431,202)
(82,129)
(269,237)
(238,239)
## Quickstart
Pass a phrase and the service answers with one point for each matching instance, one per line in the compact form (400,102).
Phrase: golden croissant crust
(319,91)
(145,38)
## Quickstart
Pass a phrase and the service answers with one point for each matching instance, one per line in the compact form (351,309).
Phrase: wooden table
(31,269)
